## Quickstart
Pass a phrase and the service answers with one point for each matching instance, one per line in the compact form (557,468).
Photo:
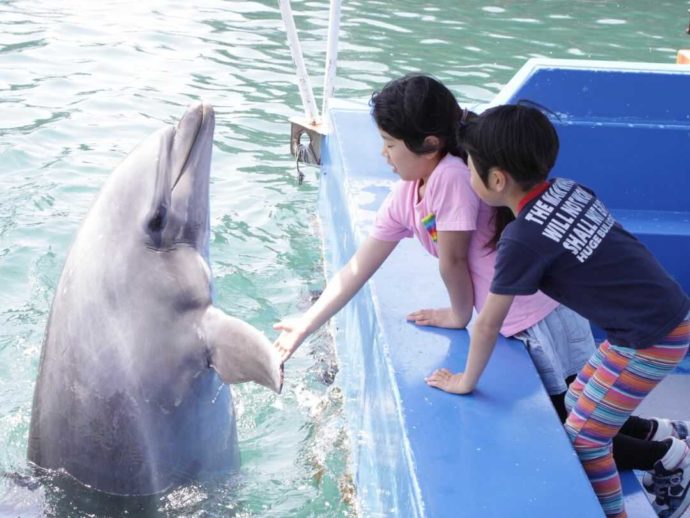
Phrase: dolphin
(131,396)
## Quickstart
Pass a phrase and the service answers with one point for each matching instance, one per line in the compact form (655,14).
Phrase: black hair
(417,106)
(517,138)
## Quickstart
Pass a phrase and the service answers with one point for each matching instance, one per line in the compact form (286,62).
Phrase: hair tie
(463,119)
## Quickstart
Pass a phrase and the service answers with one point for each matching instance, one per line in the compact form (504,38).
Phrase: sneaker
(669,428)
(647,477)
(670,487)
(681,429)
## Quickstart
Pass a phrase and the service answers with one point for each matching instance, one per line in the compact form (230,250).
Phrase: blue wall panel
(625,132)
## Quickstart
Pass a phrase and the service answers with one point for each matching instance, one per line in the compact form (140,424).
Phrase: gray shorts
(559,345)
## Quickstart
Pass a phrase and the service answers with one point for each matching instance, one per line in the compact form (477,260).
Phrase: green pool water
(81,83)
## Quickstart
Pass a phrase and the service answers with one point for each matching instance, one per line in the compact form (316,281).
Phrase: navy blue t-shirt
(565,243)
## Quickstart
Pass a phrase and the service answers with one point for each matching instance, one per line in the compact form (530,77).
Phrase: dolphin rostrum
(131,396)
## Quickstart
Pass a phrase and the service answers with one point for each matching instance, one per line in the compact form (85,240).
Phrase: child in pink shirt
(450,205)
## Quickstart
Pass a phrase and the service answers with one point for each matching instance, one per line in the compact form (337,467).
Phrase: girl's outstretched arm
(339,290)
(482,341)
(452,258)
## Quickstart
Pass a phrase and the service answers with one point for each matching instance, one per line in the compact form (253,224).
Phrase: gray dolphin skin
(132,395)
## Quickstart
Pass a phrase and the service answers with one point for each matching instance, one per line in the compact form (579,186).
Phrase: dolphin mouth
(180,207)
(194,133)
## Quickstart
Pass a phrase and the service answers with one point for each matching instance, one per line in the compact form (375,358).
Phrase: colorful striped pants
(607,390)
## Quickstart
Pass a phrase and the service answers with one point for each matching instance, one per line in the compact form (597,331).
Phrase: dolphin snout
(197,116)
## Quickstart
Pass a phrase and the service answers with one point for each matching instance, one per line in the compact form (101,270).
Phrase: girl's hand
(443,317)
(293,334)
(445,380)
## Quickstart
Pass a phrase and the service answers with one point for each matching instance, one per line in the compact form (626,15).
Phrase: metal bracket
(309,153)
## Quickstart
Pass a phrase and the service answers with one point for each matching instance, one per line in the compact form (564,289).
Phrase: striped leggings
(607,390)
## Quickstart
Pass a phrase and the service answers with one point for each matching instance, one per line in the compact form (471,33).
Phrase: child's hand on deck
(292,336)
(447,381)
(442,317)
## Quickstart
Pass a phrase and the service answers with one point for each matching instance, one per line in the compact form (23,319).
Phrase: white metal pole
(311,112)
(331,56)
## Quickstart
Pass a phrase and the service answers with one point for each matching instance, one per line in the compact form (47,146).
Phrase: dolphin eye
(157,222)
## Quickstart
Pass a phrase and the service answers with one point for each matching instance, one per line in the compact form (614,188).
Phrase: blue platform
(417,451)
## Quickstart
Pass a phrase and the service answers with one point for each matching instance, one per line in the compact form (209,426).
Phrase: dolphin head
(159,195)
(179,207)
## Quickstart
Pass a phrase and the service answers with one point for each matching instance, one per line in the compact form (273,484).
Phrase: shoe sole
(684,503)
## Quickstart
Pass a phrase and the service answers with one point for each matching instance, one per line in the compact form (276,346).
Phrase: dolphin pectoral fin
(239,352)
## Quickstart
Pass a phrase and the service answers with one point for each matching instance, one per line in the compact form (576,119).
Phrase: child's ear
(498,179)
(432,143)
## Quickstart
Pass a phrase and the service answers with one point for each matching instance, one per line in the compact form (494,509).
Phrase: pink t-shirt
(450,203)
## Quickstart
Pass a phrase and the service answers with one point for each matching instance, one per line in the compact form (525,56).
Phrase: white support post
(331,56)
(306,93)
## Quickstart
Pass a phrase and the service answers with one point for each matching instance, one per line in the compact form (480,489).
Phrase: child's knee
(570,400)
(575,389)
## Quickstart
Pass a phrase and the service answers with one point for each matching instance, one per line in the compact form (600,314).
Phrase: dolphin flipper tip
(240,352)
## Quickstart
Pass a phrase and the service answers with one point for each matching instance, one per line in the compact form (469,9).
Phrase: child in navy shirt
(565,243)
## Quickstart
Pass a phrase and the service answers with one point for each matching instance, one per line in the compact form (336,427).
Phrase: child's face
(408,165)
(485,194)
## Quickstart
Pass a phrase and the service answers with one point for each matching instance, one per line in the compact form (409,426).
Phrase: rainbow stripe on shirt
(429,222)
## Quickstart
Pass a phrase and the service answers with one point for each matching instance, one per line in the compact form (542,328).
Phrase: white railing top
(311,112)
